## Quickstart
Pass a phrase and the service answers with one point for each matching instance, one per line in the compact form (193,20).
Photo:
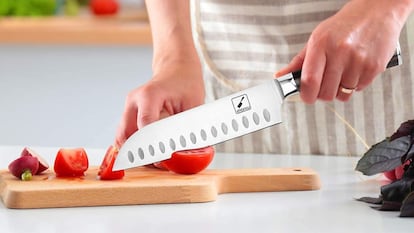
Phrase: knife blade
(229,117)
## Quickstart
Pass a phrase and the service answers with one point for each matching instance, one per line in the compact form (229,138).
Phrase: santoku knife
(235,115)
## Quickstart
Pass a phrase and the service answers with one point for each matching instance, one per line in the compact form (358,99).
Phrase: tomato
(71,162)
(159,166)
(104,7)
(189,161)
(396,173)
(390,175)
(105,170)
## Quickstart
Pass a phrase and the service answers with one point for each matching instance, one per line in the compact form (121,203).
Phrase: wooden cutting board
(149,186)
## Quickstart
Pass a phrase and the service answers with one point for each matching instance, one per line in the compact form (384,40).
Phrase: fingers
(313,70)
(368,74)
(128,123)
(294,65)
(138,112)
(359,73)
(149,111)
(331,80)
(345,91)
(328,77)
(349,81)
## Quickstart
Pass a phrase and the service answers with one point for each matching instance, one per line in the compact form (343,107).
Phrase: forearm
(171,32)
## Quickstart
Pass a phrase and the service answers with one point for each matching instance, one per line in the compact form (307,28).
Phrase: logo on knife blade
(241,104)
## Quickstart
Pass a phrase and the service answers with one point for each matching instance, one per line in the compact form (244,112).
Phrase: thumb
(146,114)
(149,111)
(294,65)
(147,120)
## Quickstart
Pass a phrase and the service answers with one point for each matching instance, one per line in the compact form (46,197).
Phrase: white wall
(66,96)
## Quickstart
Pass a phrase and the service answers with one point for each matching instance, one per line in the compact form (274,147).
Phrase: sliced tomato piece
(189,161)
(71,162)
(105,170)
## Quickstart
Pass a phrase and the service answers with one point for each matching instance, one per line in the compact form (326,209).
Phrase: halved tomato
(189,161)
(105,170)
(71,162)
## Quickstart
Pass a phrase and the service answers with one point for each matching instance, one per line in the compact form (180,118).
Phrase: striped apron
(243,42)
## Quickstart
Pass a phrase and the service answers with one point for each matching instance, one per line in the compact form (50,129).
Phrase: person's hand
(347,50)
(175,88)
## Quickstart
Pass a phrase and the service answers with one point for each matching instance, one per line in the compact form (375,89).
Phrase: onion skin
(43,165)
(23,165)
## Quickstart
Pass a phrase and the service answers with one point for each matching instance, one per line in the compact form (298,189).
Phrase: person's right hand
(348,50)
(176,87)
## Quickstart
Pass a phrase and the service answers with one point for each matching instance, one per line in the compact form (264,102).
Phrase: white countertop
(331,209)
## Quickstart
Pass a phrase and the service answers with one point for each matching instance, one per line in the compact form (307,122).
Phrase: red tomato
(105,170)
(71,162)
(189,161)
(396,173)
(390,175)
(104,7)
(157,165)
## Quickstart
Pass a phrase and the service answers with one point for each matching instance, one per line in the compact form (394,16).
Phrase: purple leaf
(384,156)
(407,208)
(405,129)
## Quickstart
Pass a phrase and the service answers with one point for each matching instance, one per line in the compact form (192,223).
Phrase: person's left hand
(347,50)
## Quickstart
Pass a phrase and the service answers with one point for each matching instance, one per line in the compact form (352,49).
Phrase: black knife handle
(296,77)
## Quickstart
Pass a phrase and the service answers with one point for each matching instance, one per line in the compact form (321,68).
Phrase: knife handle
(296,78)
(291,84)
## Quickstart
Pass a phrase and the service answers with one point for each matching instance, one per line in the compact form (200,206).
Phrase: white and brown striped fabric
(243,42)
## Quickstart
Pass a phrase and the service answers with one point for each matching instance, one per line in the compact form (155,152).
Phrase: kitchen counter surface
(330,209)
(131,29)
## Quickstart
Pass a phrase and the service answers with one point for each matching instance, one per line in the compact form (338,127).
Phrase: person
(204,50)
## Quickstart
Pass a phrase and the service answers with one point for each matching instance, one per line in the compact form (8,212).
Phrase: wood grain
(149,186)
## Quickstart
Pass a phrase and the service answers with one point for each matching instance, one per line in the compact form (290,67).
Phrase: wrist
(384,10)
(401,10)
(169,63)
(174,54)
(409,4)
